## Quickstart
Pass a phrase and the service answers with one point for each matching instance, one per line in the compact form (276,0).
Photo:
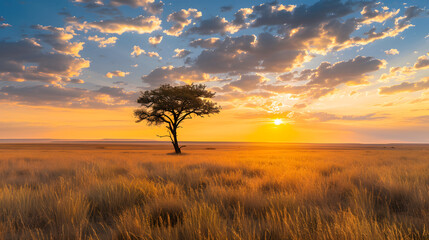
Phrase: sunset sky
(330,70)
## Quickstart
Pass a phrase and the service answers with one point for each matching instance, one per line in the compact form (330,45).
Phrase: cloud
(155,40)
(171,75)
(326,77)
(405,87)
(155,7)
(325,117)
(371,15)
(397,72)
(228,97)
(206,43)
(116,73)
(392,51)
(226,8)
(420,119)
(132,3)
(422,62)
(59,39)
(25,60)
(323,25)
(149,5)
(140,24)
(304,31)
(411,12)
(247,82)
(137,51)
(102,41)
(181,53)
(99,7)
(181,19)
(111,7)
(249,53)
(352,72)
(274,14)
(212,26)
(5,25)
(153,54)
(76,81)
(240,17)
(402,73)
(58,96)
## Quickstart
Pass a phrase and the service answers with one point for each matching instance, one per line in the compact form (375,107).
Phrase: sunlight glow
(278,121)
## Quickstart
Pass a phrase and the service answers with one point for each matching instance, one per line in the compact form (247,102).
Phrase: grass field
(214,191)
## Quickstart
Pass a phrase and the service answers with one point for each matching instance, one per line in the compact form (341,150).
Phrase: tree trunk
(175,142)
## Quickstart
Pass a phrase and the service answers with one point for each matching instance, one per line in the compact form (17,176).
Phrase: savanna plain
(214,191)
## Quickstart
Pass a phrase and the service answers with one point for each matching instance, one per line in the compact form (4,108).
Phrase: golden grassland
(217,191)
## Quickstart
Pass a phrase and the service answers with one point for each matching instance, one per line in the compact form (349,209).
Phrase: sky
(326,71)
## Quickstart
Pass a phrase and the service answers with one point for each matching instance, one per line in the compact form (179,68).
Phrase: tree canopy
(171,105)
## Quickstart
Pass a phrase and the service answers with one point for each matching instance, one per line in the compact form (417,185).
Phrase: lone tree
(173,104)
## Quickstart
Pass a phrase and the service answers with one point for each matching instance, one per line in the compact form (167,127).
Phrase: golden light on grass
(278,121)
(225,192)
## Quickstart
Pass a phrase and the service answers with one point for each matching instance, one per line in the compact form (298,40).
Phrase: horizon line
(111,140)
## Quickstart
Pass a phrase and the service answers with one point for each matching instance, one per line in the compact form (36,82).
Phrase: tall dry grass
(233,192)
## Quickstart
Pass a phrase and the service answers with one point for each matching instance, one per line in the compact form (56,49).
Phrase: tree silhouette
(173,104)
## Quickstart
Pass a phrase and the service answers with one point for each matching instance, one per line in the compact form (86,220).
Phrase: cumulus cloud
(5,25)
(247,82)
(422,62)
(149,5)
(322,24)
(25,60)
(304,31)
(272,13)
(116,73)
(249,53)
(171,75)
(405,87)
(326,77)
(102,41)
(76,81)
(140,24)
(206,43)
(392,51)
(59,39)
(181,19)
(240,17)
(351,72)
(212,26)
(181,53)
(155,40)
(397,72)
(137,51)
(58,96)
(402,73)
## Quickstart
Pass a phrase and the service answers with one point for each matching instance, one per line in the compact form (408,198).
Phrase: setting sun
(278,121)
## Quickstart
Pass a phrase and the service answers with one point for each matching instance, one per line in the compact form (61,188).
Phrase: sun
(278,121)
